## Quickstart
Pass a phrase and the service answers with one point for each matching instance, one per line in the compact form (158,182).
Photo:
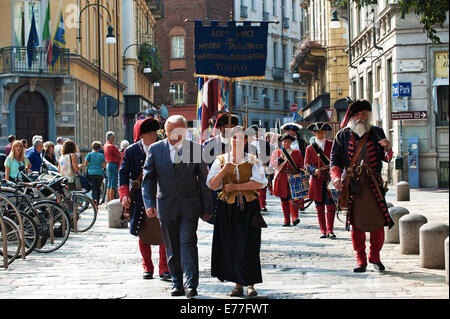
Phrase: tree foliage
(432,13)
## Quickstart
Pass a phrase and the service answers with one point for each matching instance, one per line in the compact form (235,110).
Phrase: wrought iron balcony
(266,16)
(15,60)
(285,23)
(156,7)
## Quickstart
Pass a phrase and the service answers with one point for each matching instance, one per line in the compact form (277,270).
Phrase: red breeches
(289,211)
(359,245)
(146,252)
(326,224)
(262,197)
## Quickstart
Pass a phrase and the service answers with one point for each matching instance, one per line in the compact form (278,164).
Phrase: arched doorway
(31,116)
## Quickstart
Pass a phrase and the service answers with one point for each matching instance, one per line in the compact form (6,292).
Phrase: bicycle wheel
(30,230)
(86,212)
(12,239)
(53,225)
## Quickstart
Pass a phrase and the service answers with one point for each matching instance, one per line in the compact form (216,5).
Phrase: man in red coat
(280,181)
(358,152)
(317,163)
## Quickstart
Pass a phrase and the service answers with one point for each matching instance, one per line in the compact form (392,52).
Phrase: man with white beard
(355,169)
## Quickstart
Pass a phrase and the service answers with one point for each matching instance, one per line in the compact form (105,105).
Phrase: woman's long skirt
(236,245)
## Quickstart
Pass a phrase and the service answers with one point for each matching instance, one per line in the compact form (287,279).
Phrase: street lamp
(110,39)
(147,68)
(172,89)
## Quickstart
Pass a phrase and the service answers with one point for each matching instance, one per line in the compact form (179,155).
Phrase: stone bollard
(446,260)
(402,191)
(114,213)
(432,237)
(392,235)
(409,226)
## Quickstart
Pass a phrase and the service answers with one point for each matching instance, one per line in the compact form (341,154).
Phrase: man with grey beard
(355,168)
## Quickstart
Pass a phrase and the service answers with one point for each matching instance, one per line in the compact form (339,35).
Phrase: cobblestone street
(106,263)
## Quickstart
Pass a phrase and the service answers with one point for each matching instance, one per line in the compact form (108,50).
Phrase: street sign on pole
(411,115)
(294,108)
(329,113)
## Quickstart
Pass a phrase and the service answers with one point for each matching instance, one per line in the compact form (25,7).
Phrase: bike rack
(21,228)
(5,242)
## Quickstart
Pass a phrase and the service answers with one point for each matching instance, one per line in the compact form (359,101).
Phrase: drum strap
(321,154)
(289,158)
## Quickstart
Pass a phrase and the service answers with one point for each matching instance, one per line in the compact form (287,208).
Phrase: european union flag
(59,40)
(33,41)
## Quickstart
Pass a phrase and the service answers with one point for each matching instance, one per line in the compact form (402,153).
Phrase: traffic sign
(401,89)
(329,113)
(294,108)
(411,115)
(107,105)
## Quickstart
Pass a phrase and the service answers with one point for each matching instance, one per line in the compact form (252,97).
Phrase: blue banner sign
(230,51)
(401,89)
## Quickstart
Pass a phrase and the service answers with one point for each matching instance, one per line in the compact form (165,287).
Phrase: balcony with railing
(286,23)
(16,60)
(266,16)
(156,7)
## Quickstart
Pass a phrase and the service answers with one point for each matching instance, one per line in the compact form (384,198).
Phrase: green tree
(432,13)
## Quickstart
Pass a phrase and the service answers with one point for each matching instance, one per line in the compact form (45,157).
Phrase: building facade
(322,63)
(60,99)
(141,63)
(268,102)
(175,38)
(387,52)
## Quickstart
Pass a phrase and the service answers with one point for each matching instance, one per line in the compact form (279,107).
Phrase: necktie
(177,159)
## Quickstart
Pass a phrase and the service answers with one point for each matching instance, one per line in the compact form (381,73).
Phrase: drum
(299,185)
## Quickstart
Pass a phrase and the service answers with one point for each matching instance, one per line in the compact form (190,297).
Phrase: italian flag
(46,36)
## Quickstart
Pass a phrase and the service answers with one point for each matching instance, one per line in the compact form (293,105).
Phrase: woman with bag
(237,229)
(94,164)
(68,165)
(284,168)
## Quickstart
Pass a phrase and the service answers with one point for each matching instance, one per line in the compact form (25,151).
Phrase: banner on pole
(231,52)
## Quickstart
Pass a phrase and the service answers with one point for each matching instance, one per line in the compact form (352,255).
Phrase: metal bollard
(403,191)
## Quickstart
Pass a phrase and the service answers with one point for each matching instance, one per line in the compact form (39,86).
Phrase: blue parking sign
(401,89)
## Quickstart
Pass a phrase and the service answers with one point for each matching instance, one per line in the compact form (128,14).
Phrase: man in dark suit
(176,168)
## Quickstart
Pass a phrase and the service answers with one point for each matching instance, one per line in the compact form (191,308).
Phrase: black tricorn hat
(320,126)
(358,106)
(222,119)
(149,125)
(285,136)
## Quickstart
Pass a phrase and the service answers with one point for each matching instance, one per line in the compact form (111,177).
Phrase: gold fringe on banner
(261,77)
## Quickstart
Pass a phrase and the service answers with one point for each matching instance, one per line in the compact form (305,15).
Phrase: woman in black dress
(236,240)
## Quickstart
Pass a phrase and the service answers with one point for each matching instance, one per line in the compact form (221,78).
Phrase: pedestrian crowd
(165,187)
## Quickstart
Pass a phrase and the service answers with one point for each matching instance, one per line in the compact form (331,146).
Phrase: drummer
(281,160)
(317,163)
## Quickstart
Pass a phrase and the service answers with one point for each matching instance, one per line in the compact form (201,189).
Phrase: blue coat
(131,166)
